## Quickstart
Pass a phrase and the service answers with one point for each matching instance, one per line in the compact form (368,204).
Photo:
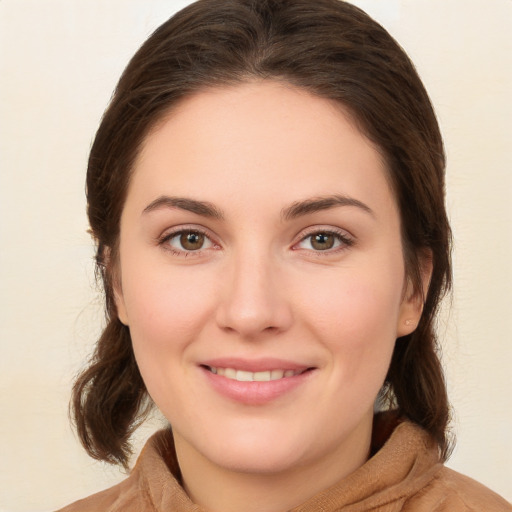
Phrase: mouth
(260,376)
(255,382)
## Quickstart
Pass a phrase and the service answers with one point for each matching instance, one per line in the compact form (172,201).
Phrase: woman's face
(262,278)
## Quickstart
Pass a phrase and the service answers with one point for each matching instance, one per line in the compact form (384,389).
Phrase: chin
(260,447)
(257,459)
(244,446)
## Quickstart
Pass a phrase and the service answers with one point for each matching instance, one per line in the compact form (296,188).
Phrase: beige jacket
(404,475)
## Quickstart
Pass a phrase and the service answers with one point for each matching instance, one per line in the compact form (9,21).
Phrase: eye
(325,241)
(187,241)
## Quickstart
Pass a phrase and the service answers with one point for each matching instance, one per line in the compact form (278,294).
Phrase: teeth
(230,373)
(244,376)
(262,376)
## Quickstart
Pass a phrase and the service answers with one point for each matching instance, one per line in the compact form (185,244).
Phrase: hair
(333,50)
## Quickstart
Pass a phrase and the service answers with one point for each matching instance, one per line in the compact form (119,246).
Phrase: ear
(413,300)
(120,304)
(112,268)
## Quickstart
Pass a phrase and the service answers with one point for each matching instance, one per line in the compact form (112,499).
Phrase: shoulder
(416,480)
(450,491)
(127,496)
(151,486)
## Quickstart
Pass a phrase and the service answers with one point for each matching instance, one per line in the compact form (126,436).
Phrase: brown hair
(333,50)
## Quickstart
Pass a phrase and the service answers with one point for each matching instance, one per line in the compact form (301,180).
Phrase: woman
(266,191)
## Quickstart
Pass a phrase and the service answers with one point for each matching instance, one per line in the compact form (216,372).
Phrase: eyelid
(170,233)
(345,237)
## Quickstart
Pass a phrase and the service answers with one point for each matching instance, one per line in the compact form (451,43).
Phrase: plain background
(59,62)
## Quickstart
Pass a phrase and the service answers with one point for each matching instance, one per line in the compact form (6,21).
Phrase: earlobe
(414,298)
(410,312)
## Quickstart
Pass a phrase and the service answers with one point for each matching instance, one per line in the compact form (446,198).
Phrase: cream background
(59,62)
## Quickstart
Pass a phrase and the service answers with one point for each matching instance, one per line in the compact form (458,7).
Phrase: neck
(219,489)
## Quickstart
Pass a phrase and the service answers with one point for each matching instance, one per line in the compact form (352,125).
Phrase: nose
(254,299)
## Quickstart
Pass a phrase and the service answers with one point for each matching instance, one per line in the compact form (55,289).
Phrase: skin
(260,287)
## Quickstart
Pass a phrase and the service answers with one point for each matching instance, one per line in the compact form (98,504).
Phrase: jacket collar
(405,459)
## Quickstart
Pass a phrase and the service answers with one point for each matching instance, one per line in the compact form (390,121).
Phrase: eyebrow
(296,209)
(318,204)
(202,208)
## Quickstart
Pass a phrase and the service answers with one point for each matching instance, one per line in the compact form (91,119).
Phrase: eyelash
(165,239)
(345,241)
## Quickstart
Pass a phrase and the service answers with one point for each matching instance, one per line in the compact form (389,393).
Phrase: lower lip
(255,393)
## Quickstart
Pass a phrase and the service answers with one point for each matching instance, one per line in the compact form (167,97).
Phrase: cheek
(166,309)
(167,314)
(355,306)
(355,316)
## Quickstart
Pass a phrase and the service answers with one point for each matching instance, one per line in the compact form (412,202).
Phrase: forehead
(259,137)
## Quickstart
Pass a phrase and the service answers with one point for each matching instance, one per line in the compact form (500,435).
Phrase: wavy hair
(333,50)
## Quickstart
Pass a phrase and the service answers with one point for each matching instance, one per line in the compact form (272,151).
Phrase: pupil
(192,241)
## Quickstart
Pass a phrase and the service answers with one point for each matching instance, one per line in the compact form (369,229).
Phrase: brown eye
(326,241)
(322,241)
(187,241)
(192,240)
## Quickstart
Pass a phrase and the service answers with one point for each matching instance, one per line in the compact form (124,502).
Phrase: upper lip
(255,365)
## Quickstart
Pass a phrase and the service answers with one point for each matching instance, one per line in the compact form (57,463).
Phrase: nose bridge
(252,301)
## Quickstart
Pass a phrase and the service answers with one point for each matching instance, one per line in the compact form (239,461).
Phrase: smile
(246,376)
(255,382)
